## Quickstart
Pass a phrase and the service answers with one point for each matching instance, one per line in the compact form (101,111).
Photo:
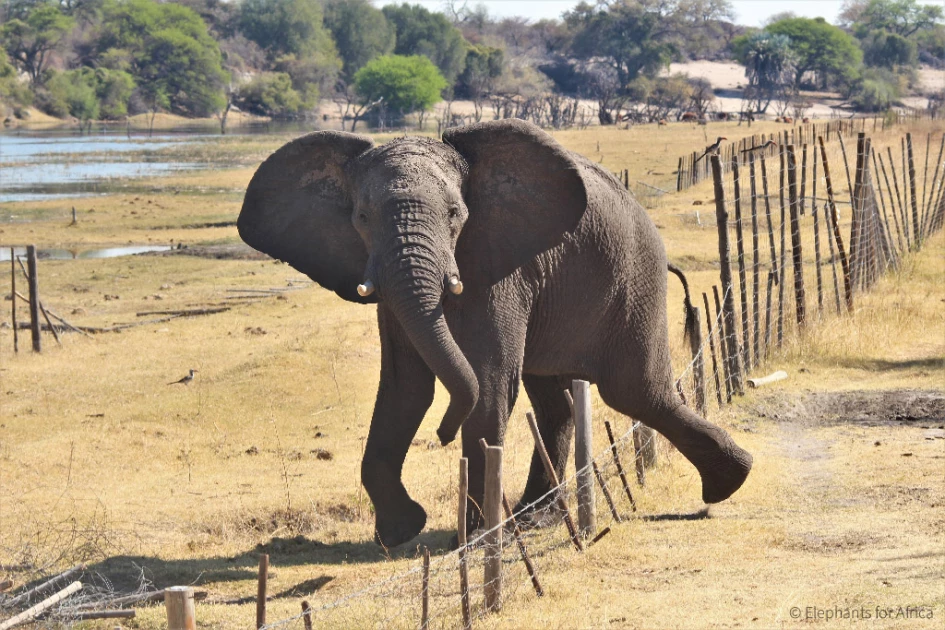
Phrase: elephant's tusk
(456,285)
(366,289)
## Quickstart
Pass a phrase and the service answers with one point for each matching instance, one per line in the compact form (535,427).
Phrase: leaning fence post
(756,263)
(731,337)
(179,604)
(912,192)
(34,297)
(492,541)
(583,456)
(623,476)
(715,363)
(698,363)
(800,299)
(553,478)
(603,488)
(844,264)
(461,541)
(742,278)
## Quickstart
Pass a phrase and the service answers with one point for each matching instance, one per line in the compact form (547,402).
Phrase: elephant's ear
(524,191)
(297,208)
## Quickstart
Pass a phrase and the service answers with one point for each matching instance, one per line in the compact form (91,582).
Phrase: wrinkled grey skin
(564,277)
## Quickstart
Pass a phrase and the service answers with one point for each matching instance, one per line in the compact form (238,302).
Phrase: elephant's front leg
(555,424)
(404,394)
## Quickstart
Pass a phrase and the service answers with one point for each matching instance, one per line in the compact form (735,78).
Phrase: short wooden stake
(602,533)
(306,615)
(425,591)
(620,473)
(461,539)
(179,604)
(640,449)
(767,343)
(35,611)
(553,478)
(34,298)
(603,488)
(261,588)
(492,541)
(583,456)
(912,191)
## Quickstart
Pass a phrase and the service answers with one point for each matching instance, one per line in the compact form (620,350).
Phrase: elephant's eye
(362,217)
(454,212)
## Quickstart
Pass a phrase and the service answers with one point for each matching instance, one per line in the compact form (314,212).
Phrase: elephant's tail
(691,321)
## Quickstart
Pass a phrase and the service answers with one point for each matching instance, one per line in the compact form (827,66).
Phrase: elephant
(495,257)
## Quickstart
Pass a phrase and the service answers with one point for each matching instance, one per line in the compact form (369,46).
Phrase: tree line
(106,59)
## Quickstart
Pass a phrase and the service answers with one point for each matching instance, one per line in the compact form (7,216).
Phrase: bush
(270,94)
(12,91)
(406,84)
(70,93)
(877,90)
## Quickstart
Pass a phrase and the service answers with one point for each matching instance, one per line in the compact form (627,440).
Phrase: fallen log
(780,375)
(96,614)
(32,613)
(186,312)
(26,596)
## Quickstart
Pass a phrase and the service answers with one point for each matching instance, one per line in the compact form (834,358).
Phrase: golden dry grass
(102,461)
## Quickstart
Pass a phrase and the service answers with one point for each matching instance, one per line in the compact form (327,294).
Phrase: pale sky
(749,12)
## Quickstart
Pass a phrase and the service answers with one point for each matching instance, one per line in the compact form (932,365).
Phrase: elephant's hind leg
(722,464)
(553,415)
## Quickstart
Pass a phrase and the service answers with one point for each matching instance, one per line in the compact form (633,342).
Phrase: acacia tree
(30,38)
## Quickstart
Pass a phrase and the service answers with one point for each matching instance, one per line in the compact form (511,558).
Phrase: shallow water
(84,252)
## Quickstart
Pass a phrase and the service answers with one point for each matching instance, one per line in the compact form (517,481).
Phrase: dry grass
(102,461)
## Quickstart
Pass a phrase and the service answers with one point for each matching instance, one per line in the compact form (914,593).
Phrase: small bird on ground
(769,143)
(186,380)
(712,149)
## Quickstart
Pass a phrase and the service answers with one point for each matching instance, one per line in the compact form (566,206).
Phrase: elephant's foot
(724,474)
(540,514)
(405,524)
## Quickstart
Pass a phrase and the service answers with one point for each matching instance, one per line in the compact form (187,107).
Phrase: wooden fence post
(715,363)
(461,541)
(262,581)
(16,335)
(34,297)
(721,215)
(912,192)
(817,259)
(553,478)
(698,363)
(742,277)
(492,541)
(307,615)
(616,456)
(179,604)
(847,289)
(800,299)
(782,263)
(755,264)
(425,591)
(603,489)
(583,456)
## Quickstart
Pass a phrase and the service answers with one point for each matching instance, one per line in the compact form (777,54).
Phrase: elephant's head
(416,222)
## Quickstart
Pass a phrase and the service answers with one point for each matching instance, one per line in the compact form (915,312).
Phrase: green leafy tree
(820,48)
(902,17)
(30,38)
(361,33)
(877,90)
(270,94)
(169,53)
(628,36)
(71,93)
(12,92)
(113,88)
(422,32)
(403,84)
(484,65)
(889,50)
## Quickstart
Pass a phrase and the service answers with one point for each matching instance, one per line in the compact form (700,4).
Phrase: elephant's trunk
(412,284)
